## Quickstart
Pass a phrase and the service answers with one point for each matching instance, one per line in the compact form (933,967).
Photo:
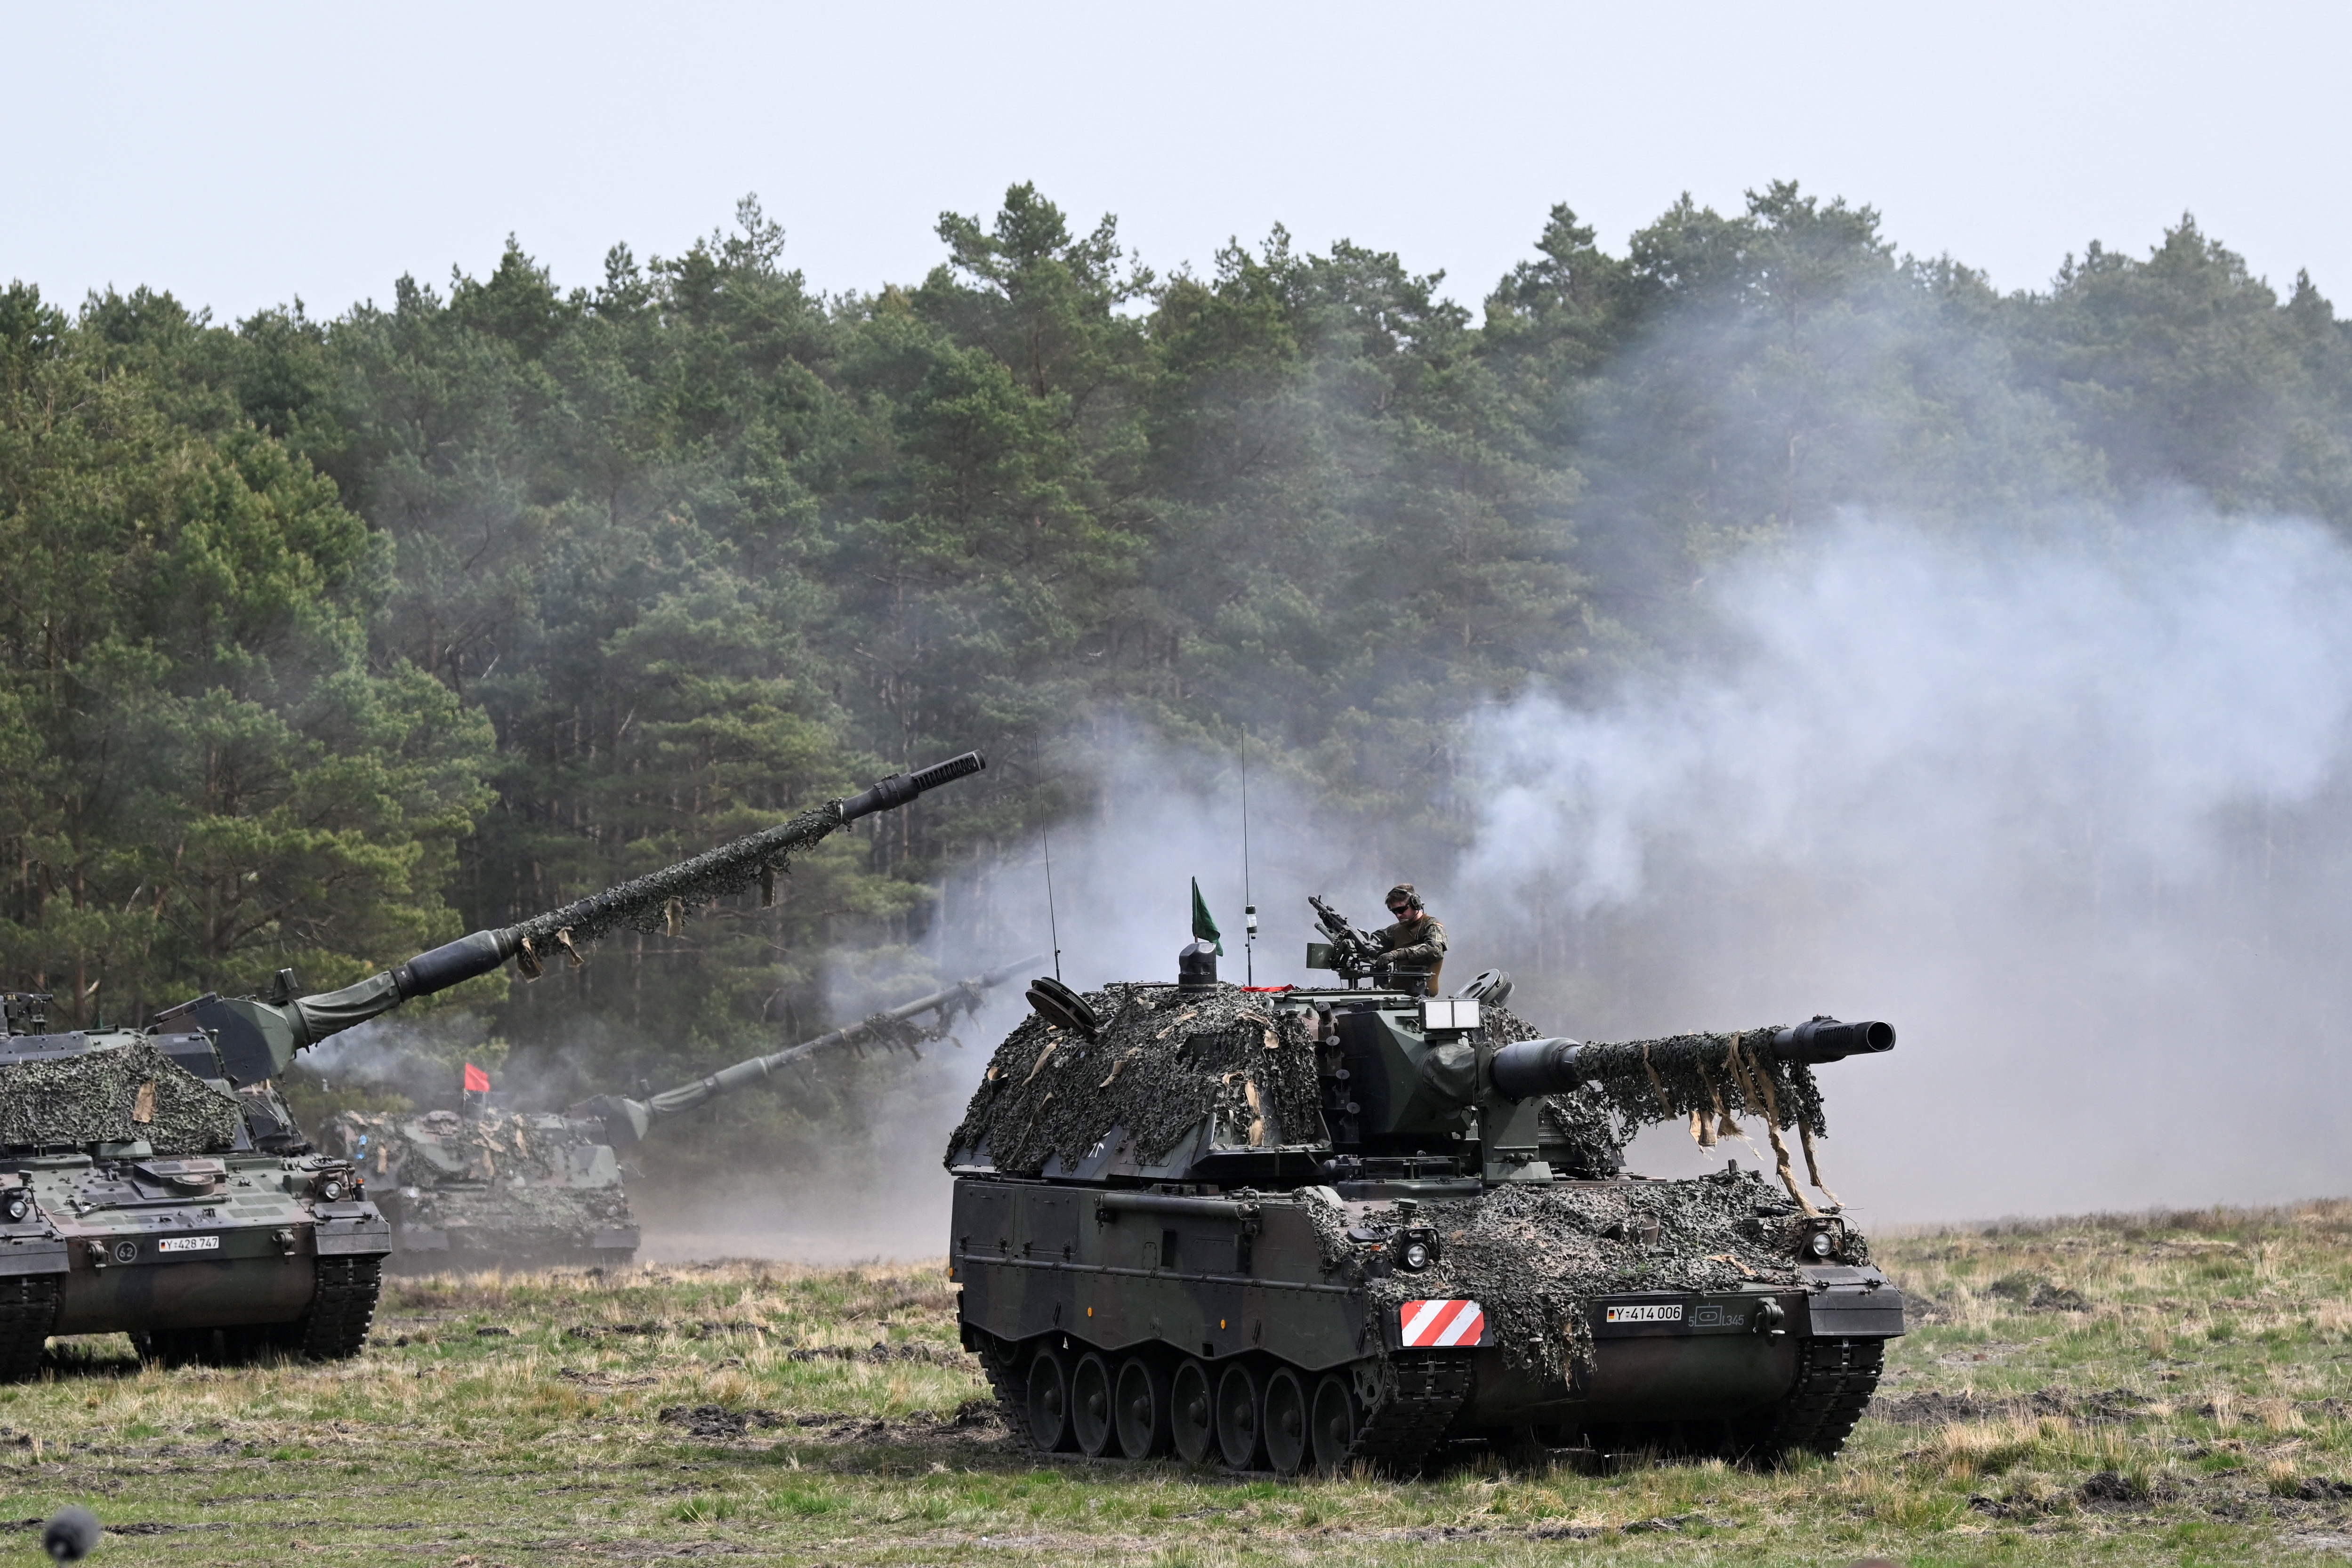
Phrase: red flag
(477,1081)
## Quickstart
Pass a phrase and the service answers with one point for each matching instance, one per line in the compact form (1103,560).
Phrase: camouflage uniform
(1420,943)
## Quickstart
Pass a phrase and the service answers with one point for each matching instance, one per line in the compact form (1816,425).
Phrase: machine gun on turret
(1350,953)
(1355,954)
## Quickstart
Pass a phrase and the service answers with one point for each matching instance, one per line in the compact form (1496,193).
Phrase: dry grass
(2109,1389)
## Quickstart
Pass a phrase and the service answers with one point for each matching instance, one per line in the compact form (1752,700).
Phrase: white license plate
(1671,1314)
(188,1244)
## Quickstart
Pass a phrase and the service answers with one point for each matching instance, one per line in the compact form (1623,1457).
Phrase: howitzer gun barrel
(258,1038)
(644,903)
(626,1121)
(1826,1039)
(1529,1067)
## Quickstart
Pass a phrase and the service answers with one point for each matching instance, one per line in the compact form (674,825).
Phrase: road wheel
(1193,1412)
(1241,1432)
(1141,1407)
(1335,1422)
(1286,1436)
(1049,1402)
(1091,1422)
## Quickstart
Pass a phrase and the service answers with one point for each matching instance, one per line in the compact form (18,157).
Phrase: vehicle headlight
(1821,1244)
(16,1206)
(1415,1255)
(331,1189)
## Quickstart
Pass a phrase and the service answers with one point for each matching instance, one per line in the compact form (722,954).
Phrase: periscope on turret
(1294,1228)
(153,1182)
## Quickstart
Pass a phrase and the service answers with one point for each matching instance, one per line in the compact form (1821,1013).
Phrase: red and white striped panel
(1436,1325)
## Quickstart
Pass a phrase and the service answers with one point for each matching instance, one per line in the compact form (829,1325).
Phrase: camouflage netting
(116,1096)
(508,1223)
(905,1034)
(1710,1080)
(1686,1076)
(441,1146)
(660,902)
(1580,1120)
(1534,1257)
(1161,1062)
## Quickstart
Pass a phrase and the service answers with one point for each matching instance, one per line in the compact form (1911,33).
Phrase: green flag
(1204,924)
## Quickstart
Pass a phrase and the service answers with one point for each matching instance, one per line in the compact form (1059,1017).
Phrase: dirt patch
(883,1355)
(717,1420)
(2035,1293)
(975,1420)
(1935,1408)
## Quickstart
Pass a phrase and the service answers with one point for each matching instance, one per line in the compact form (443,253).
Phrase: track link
(1413,1400)
(1835,1378)
(1012,1398)
(342,1307)
(28,1308)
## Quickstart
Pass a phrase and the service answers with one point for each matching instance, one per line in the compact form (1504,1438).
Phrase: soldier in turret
(1416,943)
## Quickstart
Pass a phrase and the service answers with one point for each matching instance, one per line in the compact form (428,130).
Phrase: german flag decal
(1438,1325)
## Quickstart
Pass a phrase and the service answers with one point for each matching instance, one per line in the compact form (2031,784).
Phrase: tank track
(1424,1392)
(1835,1378)
(1420,1392)
(334,1327)
(28,1306)
(1012,1401)
(342,1307)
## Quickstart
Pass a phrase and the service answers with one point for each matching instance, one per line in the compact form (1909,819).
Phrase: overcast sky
(242,155)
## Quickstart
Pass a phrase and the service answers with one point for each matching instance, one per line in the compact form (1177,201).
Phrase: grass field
(2174,1388)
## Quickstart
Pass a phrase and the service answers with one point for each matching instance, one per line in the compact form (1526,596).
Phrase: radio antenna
(1053,922)
(1249,910)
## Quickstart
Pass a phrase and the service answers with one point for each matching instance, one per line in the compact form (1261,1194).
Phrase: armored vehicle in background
(504,1189)
(491,1189)
(1293,1228)
(145,1187)
(153,1181)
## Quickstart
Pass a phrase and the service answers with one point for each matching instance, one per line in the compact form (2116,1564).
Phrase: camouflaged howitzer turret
(1293,1228)
(506,1189)
(153,1181)
(492,1188)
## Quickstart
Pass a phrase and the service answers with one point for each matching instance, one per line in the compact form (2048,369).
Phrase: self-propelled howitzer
(1296,1227)
(153,1181)
(502,1188)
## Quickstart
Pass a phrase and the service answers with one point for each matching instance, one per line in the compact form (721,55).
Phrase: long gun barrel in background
(626,1121)
(1529,1067)
(258,1038)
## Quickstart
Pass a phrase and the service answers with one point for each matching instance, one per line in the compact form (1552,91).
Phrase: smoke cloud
(2068,808)
(2068,811)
